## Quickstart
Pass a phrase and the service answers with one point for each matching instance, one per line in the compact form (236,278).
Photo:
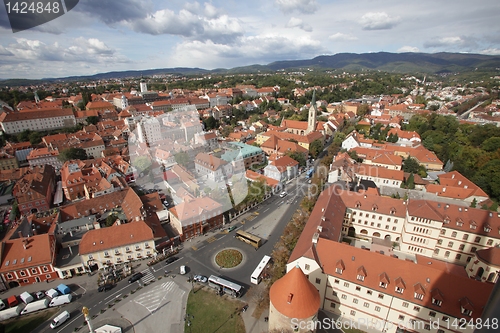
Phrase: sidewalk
(252,324)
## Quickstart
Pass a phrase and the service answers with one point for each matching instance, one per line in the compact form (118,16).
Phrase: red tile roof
(112,237)
(38,252)
(294,296)
(422,278)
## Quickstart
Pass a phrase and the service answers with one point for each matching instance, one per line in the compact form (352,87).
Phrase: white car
(283,194)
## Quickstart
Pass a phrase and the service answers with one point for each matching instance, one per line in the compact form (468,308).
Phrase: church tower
(313,111)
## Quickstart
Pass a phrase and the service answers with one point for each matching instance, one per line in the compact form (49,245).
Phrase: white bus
(224,286)
(256,276)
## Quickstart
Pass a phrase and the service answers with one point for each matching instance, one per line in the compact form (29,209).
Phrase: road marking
(62,328)
(265,210)
(211,239)
(194,248)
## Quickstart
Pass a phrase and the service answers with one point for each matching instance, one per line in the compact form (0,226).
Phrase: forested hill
(397,62)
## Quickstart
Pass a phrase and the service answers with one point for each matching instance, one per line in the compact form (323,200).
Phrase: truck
(26,297)
(60,300)
(63,289)
(35,306)
(11,312)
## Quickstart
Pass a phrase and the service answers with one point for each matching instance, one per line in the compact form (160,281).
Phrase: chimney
(290,296)
(444,189)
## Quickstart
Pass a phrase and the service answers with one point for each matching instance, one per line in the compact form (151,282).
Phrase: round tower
(293,300)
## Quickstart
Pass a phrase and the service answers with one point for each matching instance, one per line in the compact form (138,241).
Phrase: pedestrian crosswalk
(147,276)
(159,295)
(211,239)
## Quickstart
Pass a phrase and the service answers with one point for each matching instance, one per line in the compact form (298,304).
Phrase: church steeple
(311,121)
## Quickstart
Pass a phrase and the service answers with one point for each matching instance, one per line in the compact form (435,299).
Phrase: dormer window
(393,211)
(360,277)
(374,208)
(487,228)
(460,223)
(358,204)
(437,297)
(339,267)
(466,307)
(437,302)
(338,270)
(384,280)
(419,292)
(361,274)
(418,296)
(399,290)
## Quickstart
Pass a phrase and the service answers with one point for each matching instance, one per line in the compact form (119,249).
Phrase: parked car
(105,287)
(283,194)
(231,228)
(40,294)
(183,270)
(171,260)
(200,278)
(135,277)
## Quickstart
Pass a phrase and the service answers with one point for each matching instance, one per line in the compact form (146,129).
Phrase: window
(338,270)
(458,256)
(401,317)
(381,296)
(9,276)
(369,292)
(466,236)
(355,300)
(489,242)
(358,288)
(473,249)
(461,247)
(346,284)
(22,273)
(440,331)
(307,267)
(336,281)
(318,280)
(446,319)
(361,277)
(447,254)
(419,296)
(477,239)
(127,249)
(47,276)
(454,234)
(366,304)
(353,313)
(34,271)
(427,327)
(432,313)
(443,232)
(332,305)
(399,290)
(416,308)
(377,308)
(440,241)
(46,269)
(450,244)
(344,296)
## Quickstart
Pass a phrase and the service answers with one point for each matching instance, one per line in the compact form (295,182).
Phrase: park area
(27,323)
(208,313)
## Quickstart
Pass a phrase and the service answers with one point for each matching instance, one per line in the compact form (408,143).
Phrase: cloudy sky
(108,35)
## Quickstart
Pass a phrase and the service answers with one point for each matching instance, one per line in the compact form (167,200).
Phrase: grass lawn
(213,313)
(28,323)
(228,258)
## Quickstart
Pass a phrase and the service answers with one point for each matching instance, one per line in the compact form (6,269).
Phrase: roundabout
(228,258)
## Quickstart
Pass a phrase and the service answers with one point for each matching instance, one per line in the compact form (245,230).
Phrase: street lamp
(187,319)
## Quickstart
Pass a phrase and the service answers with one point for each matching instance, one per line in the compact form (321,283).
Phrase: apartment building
(40,120)
(116,245)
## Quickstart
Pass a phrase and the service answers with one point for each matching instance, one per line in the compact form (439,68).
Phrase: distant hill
(396,62)
(384,61)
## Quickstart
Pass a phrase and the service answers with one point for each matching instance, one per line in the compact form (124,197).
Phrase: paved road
(149,308)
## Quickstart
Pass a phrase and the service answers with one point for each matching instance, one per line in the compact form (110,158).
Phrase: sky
(99,36)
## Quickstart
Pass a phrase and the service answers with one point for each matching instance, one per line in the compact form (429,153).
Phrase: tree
(92,120)
(299,157)
(110,220)
(363,109)
(182,158)
(410,182)
(411,165)
(210,123)
(315,148)
(72,154)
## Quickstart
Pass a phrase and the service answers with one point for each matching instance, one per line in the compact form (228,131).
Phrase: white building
(40,120)
(149,130)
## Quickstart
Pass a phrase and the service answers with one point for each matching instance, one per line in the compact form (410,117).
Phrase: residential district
(137,175)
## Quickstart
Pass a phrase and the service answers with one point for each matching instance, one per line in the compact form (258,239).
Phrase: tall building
(313,111)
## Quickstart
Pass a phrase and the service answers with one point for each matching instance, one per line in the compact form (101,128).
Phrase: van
(35,306)
(59,319)
(63,289)
(10,312)
(52,293)
(26,297)
(2,305)
(60,300)
(183,270)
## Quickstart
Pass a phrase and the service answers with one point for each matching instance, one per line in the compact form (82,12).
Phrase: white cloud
(445,41)
(378,21)
(301,6)
(187,24)
(298,23)
(248,50)
(341,36)
(406,48)
(490,51)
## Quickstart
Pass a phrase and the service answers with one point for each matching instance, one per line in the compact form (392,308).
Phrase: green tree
(363,109)
(182,158)
(299,157)
(411,165)
(315,148)
(210,123)
(72,154)
(110,220)
(410,182)
(488,178)
(473,204)
(492,144)
(92,120)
